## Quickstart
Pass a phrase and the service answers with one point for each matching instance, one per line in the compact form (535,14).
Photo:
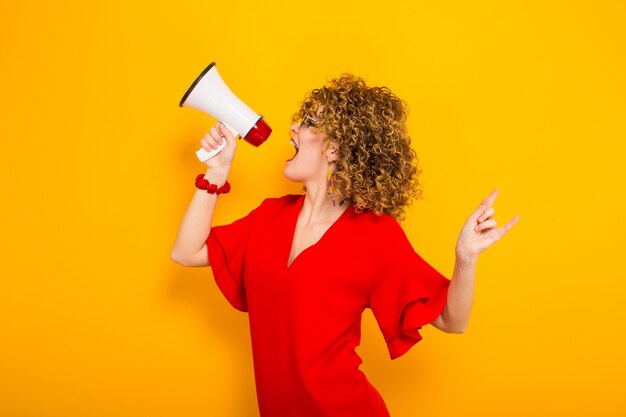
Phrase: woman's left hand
(479,231)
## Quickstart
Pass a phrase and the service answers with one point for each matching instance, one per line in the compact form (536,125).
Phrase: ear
(332,153)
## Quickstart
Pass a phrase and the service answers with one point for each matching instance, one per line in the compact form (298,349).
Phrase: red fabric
(305,319)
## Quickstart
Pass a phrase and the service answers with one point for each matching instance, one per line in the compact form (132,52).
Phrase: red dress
(305,319)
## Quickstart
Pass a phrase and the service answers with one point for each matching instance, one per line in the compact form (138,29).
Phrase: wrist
(202,183)
(216,176)
(466,258)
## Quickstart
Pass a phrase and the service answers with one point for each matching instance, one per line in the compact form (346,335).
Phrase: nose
(295,128)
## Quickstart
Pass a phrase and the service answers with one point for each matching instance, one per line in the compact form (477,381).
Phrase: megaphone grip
(205,156)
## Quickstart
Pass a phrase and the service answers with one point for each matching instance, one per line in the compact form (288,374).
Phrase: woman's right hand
(223,160)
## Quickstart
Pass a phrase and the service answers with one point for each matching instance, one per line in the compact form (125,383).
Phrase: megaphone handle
(205,156)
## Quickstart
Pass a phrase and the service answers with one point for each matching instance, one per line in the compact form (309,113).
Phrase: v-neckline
(292,231)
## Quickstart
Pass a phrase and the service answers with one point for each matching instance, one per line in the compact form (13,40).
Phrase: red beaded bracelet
(204,184)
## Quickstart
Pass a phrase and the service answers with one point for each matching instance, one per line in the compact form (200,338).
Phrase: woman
(305,267)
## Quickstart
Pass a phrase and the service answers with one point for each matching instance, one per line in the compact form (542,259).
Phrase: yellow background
(98,166)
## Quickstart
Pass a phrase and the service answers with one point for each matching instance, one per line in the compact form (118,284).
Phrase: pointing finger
(484,205)
(489,200)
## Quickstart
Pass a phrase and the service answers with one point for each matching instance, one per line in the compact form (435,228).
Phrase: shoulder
(382,228)
(282,200)
(285,200)
(272,204)
(380,223)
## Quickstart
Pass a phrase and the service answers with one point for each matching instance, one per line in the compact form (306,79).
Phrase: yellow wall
(98,167)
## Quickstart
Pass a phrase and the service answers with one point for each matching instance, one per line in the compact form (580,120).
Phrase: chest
(328,264)
(305,237)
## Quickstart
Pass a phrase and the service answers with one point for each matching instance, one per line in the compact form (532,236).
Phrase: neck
(318,206)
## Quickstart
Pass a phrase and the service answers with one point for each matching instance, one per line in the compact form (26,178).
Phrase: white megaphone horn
(209,94)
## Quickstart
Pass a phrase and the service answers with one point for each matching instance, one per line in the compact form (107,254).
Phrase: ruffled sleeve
(412,293)
(226,246)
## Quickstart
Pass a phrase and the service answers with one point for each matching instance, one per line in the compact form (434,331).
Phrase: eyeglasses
(306,122)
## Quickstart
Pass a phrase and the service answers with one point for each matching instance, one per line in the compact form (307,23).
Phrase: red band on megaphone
(259,133)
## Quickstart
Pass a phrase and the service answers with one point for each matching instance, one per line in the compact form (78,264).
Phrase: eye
(308,122)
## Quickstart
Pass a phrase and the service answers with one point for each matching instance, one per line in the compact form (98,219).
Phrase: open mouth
(297,149)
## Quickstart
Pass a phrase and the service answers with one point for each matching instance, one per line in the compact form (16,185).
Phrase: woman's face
(310,161)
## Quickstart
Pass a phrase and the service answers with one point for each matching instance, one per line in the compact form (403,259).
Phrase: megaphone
(209,94)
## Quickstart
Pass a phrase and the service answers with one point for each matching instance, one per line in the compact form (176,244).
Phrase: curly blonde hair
(377,168)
